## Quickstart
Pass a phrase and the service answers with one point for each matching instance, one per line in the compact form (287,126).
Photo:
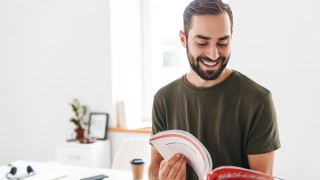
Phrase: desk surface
(54,170)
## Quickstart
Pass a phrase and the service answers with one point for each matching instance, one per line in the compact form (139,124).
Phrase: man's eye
(202,44)
(222,44)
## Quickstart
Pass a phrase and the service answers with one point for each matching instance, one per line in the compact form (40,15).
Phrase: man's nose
(213,53)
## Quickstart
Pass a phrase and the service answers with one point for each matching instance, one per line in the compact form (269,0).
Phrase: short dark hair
(202,7)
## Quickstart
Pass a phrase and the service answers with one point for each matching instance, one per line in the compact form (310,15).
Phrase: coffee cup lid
(137,161)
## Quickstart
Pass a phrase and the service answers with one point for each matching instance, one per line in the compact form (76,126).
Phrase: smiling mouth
(210,63)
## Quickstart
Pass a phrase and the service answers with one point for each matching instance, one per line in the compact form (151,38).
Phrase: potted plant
(79,118)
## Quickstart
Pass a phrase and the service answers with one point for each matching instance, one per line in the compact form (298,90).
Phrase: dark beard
(209,74)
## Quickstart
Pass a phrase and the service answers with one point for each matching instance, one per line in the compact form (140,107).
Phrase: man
(230,114)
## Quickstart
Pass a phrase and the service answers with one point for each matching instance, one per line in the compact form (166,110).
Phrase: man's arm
(262,162)
(155,161)
(175,168)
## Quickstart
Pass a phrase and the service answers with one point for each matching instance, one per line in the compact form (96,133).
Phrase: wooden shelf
(142,130)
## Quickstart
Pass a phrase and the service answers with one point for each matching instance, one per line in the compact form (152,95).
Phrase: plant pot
(79,133)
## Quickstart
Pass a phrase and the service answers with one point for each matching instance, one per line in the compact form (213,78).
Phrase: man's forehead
(211,26)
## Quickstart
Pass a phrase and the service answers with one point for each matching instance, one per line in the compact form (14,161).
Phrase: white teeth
(209,63)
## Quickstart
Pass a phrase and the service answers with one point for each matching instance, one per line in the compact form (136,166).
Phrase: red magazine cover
(237,173)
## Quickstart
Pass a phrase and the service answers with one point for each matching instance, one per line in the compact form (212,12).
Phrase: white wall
(50,53)
(276,43)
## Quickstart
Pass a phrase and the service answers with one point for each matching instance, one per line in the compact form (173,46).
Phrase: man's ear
(183,39)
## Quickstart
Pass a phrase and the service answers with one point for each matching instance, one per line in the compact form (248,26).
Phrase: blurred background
(105,51)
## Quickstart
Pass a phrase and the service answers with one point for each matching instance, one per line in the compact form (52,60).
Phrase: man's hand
(175,168)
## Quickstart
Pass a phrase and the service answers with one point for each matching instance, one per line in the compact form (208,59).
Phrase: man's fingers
(175,169)
(182,171)
(166,166)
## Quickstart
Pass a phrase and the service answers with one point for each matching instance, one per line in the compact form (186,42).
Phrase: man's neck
(194,79)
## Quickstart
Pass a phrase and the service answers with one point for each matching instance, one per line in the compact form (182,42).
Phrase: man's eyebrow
(208,38)
(226,37)
(201,37)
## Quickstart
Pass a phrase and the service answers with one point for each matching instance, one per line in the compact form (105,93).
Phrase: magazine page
(171,142)
(238,173)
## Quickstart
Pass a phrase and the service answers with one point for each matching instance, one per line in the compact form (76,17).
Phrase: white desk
(54,170)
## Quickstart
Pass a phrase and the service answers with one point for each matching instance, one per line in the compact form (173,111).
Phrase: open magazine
(170,142)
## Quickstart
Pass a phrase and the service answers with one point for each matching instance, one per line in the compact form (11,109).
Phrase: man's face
(208,45)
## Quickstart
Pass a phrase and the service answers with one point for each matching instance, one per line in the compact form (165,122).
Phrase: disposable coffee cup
(137,166)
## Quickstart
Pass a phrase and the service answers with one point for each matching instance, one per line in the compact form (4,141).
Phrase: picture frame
(98,125)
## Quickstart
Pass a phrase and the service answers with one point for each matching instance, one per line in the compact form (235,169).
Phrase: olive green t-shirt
(232,119)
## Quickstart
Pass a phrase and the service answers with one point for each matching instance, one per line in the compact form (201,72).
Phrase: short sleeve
(263,136)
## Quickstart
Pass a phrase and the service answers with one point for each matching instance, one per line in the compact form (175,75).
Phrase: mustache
(205,58)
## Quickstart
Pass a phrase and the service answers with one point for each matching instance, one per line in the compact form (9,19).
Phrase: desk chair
(133,148)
